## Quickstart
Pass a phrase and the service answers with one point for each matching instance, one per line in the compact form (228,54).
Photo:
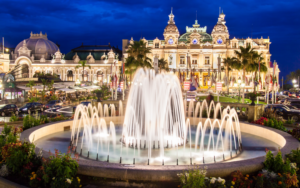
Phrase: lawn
(232,100)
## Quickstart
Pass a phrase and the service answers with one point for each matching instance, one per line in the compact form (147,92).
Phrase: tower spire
(171,17)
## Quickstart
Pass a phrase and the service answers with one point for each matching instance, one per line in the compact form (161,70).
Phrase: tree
(44,83)
(256,61)
(83,64)
(30,84)
(229,64)
(163,65)
(137,57)
(243,56)
(50,86)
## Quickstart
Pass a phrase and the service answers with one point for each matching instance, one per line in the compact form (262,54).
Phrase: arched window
(25,71)
(70,75)
(85,75)
(100,76)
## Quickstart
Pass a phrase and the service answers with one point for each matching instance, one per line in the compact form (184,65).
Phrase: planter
(99,96)
(252,98)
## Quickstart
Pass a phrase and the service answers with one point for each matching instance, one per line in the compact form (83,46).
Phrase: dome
(39,46)
(171,28)
(205,37)
(220,27)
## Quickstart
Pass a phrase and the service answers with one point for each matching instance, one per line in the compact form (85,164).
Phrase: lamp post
(240,85)
(295,84)
(77,82)
(95,82)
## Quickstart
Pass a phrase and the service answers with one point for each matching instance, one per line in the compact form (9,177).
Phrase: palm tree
(256,62)
(243,56)
(163,65)
(44,83)
(30,84)
(137,57)
(83,64)
(229,64)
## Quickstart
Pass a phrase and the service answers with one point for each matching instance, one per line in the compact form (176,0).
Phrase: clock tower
(171,32)
(220,32)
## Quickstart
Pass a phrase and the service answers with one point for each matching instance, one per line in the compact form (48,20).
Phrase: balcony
(194,65)
(206,65)
(182,65)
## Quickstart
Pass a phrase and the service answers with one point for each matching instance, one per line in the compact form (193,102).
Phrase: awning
(40,87)
(91,88)
(57,86)
(77,88)
(67,90)
(24,88)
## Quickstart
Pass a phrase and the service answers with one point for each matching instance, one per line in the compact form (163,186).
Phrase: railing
(182,65)
(194,65)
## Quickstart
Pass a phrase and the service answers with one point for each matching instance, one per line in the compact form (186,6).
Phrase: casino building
(38,54)
(203,53)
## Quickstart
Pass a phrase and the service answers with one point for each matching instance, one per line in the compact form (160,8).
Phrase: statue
(53,56)
(63,56)
(117,56)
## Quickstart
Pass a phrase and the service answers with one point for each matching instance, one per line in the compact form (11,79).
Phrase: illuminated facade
(203,53)
(38,54)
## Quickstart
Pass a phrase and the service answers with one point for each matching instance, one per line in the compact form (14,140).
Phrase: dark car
(295,103)
(285,112)
(83,103)
(31,107)
(53,103)
(8,109)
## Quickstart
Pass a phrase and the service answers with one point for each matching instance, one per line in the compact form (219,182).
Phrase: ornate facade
(38,54)
(203,53)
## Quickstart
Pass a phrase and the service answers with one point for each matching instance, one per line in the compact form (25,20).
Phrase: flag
(116,80)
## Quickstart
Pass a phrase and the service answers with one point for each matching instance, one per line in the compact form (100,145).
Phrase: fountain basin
(139,172)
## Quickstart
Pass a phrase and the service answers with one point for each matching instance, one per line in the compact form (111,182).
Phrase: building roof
(97,51)
(205,37)
(38,44)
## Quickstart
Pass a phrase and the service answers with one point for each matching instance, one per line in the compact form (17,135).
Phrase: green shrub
(277,164)
(13,118)
(16,155)
(60,170)
(30,121)
(195,177)
(274,123)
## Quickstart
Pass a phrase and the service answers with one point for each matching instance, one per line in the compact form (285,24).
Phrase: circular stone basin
(255,140)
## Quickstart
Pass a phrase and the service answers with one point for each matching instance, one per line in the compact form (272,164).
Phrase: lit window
(182,60)
(156,45)
(194,61)
(206,60)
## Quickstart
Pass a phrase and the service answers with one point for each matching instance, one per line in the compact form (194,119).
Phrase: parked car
(53,103)
(284,111)
(31,107)
(85,103)
(8,109)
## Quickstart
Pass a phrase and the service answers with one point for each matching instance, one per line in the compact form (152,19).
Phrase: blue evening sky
(72,22)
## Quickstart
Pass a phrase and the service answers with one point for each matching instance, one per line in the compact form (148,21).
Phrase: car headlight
(24,109)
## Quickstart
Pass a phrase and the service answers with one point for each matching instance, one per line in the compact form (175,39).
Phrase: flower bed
(271,122)
(21,164)
(277,173)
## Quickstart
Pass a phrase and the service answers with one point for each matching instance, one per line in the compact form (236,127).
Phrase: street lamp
(294,81)
(240,85)
(77,82)
(95,82)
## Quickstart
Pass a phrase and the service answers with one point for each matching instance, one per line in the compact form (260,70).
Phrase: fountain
(157,126)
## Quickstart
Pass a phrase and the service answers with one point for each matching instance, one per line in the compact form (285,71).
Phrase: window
(182,60)
(156,45)
(248,44)
(194,61)
(206,60)
(234,45)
